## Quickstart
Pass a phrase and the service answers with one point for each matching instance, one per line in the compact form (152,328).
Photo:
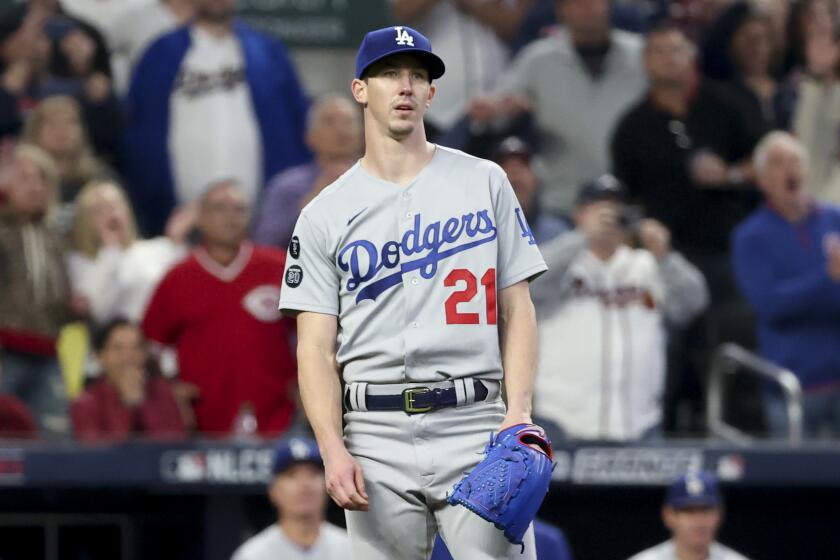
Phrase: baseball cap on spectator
(512,146)
(605,187)
(698,489)
(400,39)
(293,451)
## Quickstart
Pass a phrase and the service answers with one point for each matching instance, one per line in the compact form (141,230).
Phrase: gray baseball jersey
(272,544)
(412,272)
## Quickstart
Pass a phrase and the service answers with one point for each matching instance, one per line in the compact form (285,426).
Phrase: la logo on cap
(299,449)
(694,486)
(404,37)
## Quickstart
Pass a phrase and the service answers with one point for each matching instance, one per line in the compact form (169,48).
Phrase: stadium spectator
(541,19)
(693,513)
(16,421)
(470,35)
(577,84)
(207,102)
(603,308)
(127,400)
(46,54)
(298,493)
(514,156)
(110,266)
(817,116)
(745,35)
(56,126)
(218,309)
(35,298)
(551,544)
(134,29)
(807,19)
(786,256)
(683,152)
(334,134)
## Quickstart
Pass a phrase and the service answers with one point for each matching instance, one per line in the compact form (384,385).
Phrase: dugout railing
(731,359)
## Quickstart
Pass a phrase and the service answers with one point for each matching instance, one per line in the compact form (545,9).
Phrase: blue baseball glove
(509,484)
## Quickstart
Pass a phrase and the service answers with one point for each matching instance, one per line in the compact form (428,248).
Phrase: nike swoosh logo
(350,221)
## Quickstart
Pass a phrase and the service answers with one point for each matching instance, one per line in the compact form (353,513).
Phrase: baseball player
(409,278)
(297,493)
(692,512)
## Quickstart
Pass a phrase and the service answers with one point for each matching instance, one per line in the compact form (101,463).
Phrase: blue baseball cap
(698,489)
(293,451)
(399,39)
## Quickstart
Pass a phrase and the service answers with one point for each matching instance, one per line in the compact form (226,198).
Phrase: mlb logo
(404,38)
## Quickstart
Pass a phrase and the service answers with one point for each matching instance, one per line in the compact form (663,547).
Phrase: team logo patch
(261,303)
(294,247)
(294,276)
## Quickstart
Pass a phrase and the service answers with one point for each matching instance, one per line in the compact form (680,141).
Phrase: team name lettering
(364,260)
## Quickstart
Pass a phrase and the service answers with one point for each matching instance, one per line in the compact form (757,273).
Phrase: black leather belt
(416,400)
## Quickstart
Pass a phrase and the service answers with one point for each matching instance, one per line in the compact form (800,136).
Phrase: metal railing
(731,358)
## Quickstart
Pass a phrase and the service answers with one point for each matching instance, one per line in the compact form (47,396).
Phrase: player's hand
(345,481)
(831,245)
(600,223)
(131,385)
(822,55)
(655,237)
(181,222)
(708,169)
(513,418)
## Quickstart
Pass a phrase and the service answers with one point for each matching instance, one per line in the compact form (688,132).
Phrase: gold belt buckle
(408,400)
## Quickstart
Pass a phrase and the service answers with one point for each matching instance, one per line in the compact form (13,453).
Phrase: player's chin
(402,127)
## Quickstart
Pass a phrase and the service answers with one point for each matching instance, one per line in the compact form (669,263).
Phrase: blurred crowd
(678,162)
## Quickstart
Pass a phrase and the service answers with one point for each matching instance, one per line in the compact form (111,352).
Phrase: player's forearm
(320,392)
(518,339)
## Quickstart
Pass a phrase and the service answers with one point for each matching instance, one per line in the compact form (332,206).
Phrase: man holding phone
(603,308)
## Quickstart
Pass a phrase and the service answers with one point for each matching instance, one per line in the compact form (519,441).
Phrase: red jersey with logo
(230,339)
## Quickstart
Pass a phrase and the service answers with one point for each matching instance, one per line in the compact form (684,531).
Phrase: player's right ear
(359,89)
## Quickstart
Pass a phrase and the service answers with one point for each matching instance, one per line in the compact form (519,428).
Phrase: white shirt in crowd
(214,134)
(667,551)
(272,544)
(132,32)
(120,282)
(601,365)
(475,57)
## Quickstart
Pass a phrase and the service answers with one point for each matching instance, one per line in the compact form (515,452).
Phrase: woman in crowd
(114,270)
(35,297)
(56,126)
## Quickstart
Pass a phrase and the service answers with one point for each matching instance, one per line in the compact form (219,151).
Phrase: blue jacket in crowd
(279,104)
(781,269)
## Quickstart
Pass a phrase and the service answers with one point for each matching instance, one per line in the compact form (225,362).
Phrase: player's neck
(303,532)
(397,161)
(218,29)
(603,252)
(223,254)
(685,552)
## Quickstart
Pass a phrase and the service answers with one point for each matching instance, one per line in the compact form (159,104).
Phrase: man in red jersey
(218,309)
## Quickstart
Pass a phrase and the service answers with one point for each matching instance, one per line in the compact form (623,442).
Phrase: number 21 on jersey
(468,291)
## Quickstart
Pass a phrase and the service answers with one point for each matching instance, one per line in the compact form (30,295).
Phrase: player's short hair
(213,186)
(664,27)
(771,140)
(103,334)
(324,101)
